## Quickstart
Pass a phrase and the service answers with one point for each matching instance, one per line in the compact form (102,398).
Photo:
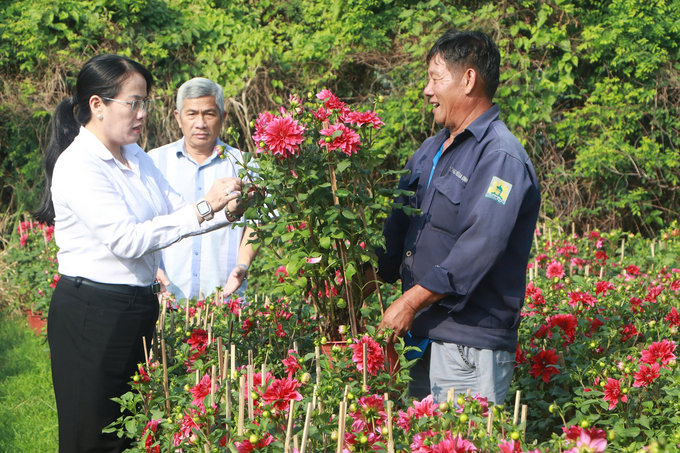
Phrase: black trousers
(95,339)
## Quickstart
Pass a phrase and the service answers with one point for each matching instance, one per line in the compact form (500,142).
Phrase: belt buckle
(156,287)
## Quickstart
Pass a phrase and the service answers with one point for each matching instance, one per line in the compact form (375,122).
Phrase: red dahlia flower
(603,287)
(662,350)
(554,269)
(544,365)
(646,375)
(281,391)
(375,359)
(283,136)
(612,393)
(673,317)
(362,119)
(348,141)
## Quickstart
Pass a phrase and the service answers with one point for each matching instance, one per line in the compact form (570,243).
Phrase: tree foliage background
(592,88)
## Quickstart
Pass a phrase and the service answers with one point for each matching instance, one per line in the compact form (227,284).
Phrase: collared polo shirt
(205,262)
(472,240)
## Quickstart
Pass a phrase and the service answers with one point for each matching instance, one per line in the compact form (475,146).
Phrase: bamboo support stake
(198,377)
(601,272)
(186,316)
(550,236)
(531,274)
(390,435)
(250,357)
(165,379)
(305,431)
(251,410)
(489,423)
(623,248)
(227,398)
(289,429)
(451,396)
(146,351)
(571,270)
(525,409)
(198,317)
(587,270)
(652,246)
(241,403)
(213,382)
(341,427)
(295,347)
(365,360)
(515,417)
(536,241)
(317,353)
(296,443)
(220,362)
(209,335)
(573,230)
(314,397)
(225,366)
(468,393)
(233,361)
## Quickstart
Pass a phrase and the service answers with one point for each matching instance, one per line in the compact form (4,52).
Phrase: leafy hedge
(591,88)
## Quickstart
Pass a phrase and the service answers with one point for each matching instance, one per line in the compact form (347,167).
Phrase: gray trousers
(448,365)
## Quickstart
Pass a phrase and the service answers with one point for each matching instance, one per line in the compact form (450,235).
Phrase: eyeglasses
(136,105)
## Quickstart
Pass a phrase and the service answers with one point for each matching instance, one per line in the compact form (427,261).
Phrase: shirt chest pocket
(443,212)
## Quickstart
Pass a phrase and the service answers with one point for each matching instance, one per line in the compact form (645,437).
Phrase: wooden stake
(623,248)
(587,270)
(601,272)
(652,246)
(573,230)
(186,316)
(295,347)
(227,398)
(317,353)
(341,427)
(220,362)
(233,361)
(525,409)
(146,351)
(250,357)
(365,360)
(468,393)
(251,413)
(489,423)
(289,429)
(213,377)
(550,237)
(241,403)
(390,436)
(536,242)
(305,431)
(165,379)
(451,395)
(515,417)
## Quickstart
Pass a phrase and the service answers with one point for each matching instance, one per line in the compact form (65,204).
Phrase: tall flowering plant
(323,197)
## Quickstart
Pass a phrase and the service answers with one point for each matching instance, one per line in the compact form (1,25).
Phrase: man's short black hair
(464,49)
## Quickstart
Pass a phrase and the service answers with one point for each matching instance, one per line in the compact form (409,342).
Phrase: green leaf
(348,214)
(342,166)
(325,242)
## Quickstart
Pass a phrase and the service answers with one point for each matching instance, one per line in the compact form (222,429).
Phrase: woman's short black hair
(464,49)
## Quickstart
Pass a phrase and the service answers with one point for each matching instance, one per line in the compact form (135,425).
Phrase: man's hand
(399,316)
(235,280)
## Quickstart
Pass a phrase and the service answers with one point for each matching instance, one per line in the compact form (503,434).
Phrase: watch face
(203,208)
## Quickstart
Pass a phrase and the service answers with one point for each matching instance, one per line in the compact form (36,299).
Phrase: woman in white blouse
(113,212)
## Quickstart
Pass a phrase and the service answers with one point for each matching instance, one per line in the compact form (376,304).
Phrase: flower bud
(585,424)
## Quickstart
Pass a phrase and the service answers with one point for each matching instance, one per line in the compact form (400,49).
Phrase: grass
(28,415)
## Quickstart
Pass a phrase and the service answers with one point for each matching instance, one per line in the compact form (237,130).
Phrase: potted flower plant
(324,196)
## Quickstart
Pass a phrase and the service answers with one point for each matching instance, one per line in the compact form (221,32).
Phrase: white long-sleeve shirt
(112,221)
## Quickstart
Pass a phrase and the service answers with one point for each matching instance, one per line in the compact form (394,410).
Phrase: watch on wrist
(204,209)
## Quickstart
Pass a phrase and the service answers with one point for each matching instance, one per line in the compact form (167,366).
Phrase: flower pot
(36,321)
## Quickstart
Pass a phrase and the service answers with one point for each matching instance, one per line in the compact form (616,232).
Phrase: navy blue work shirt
(472,240)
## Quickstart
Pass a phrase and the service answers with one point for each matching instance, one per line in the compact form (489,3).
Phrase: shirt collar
(480,125)
(182,149)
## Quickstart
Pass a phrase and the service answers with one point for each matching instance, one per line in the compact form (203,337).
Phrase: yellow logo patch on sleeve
(498,190)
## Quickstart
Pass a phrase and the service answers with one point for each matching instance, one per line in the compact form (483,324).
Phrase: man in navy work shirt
(463,259)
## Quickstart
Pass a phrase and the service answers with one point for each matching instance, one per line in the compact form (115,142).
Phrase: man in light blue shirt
(222,257)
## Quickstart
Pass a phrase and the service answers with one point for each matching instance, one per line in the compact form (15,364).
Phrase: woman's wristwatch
(244,266)
(204,209)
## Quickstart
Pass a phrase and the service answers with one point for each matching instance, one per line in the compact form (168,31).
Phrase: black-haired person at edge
(113,212)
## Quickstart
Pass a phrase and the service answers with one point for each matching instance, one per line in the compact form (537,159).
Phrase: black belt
(122,289)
